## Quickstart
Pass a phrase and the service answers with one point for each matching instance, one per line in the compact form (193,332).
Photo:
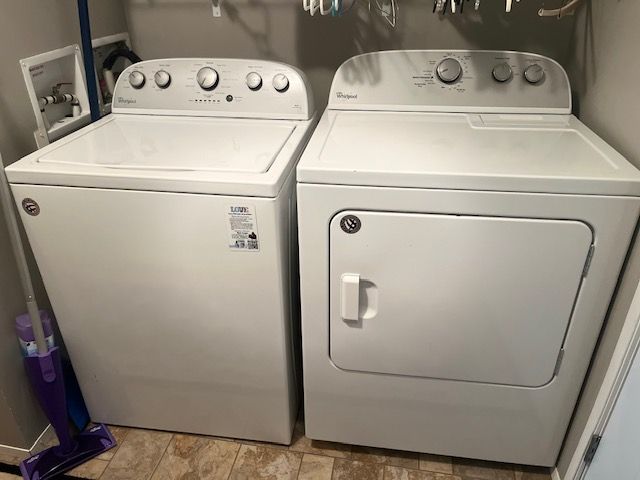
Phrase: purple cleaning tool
(45,373)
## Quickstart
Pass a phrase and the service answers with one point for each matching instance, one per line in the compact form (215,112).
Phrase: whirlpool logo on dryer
(346,96)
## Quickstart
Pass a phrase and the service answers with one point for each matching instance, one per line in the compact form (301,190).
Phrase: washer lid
(224,156)
(532,153)
(176,143)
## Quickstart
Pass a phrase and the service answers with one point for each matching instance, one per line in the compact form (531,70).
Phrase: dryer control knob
(502,72)
(449,70)
(534,73)
(254,80)
(207,78)
(137,79)
(280,82)
(162,78)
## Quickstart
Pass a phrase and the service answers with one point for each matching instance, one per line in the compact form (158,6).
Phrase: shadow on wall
(281,30)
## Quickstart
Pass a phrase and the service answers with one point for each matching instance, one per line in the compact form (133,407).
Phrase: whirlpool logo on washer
(126,101)
(30,206)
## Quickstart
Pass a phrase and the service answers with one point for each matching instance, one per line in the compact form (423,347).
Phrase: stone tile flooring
(152,455)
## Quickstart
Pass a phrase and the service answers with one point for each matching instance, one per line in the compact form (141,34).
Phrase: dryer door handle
(350,296)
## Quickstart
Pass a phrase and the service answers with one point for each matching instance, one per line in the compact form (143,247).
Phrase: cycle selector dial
(280,82)
(162,78)
(207,78)
(449,70)
(502,72)
(137,79)
(254,81)
(534,73)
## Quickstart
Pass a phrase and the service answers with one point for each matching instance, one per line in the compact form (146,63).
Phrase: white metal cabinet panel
(165,324)
(480,299)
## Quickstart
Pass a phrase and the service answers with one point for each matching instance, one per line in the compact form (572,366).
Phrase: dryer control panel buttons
(453,81)
(137,79)
(254,80)
(449,70)
(502,72)
(207,78)
(534,73)
(162,78)
(280,82)
(214,87)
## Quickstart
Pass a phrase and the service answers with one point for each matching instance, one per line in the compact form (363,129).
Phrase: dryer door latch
(587,262)
(350,297)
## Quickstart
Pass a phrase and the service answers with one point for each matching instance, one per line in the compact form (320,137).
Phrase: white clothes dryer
(461,236)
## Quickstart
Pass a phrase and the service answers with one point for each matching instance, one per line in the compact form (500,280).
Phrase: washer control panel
(452,81)
(214,87)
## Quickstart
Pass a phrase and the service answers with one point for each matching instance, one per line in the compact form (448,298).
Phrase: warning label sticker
(243,228)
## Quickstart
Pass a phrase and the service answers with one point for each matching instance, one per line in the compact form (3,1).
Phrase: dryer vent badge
(243,228)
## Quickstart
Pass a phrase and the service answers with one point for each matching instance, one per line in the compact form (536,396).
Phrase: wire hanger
(568,9)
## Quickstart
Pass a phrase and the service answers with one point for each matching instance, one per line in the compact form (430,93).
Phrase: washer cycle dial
(207,78)
(254,80)
(137,79)
(162,78)
(502,72)
(449,70)
(280,82)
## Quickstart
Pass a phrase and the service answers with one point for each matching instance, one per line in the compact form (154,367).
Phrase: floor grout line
(235,459)
(162,456)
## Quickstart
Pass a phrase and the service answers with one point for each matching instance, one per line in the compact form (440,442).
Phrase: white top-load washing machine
(461,235)
(165,234)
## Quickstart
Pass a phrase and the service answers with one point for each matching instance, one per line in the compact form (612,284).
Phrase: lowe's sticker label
(243,228)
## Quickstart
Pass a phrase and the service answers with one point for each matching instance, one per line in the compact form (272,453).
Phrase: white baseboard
(16,453)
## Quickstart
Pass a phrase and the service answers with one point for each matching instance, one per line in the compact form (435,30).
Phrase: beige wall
(29,27)
(605,71)
(281,30)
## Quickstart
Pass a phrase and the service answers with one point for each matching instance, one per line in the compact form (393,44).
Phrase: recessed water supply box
(102,48)
(58,92)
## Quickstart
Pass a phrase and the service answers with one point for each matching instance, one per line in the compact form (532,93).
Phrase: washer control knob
(162,78)
(502,72)
(137,79)
(207,78)
(534,73)
(281,82)
(254,80)
(449,70)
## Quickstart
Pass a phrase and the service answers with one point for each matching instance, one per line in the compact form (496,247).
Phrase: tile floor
(152,455)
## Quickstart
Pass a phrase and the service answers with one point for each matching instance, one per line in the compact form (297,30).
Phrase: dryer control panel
(451,81)
(214,87)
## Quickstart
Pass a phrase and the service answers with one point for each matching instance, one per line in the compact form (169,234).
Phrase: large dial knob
(207,78)
(534,73)
(280,82)
(137,79)
(502,72)
(162,78)
(449,70)
(254,80)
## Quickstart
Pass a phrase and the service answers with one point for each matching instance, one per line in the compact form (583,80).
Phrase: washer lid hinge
(558,362)
(587,263)
(594,443)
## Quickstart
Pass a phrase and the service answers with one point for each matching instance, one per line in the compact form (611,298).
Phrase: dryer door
(480,299)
